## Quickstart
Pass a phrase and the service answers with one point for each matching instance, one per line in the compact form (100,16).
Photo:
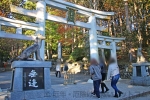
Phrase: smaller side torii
(112,46)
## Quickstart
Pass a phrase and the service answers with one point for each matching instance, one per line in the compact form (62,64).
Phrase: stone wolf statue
(35,48)
(140,57)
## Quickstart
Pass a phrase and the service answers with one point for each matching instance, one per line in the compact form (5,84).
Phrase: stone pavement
(5,78)
(143,98)
(82,90)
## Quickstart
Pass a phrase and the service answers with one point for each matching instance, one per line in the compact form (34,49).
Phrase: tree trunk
(73,42)
(47,51)
(50,52)
(127,17)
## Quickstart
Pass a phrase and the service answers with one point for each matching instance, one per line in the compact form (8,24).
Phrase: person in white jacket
(113,74)
(58,67)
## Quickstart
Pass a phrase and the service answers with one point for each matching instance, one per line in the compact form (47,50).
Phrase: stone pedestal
(140,74)
(31,81)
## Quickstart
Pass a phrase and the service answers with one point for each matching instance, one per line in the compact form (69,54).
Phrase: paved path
(82,90)
(5,79)
(143,98)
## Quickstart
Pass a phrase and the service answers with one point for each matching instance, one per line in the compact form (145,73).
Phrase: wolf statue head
(39,38)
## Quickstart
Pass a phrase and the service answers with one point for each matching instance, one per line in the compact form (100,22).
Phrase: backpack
(65,68)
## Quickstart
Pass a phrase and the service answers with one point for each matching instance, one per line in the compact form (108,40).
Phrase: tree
(70,36)
(52,38)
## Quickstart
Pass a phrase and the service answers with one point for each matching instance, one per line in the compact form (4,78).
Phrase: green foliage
(107,54)
(105,33)
(8,29)
(4,4)
(27,43)
(72,38)
(52,36)
(77,54)
(30,5)
(148,52)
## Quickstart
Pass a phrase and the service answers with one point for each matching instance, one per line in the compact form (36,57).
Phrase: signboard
(33,78)
(71,14)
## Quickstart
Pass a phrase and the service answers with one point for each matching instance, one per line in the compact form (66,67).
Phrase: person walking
(65,67)
(95,72)
(58,68)
(65,73)
(103,72)
(113,74)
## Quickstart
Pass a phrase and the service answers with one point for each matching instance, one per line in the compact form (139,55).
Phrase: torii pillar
(113,50)
(41,14)
(93,39)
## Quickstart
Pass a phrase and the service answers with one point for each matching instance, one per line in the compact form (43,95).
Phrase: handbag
(90,81)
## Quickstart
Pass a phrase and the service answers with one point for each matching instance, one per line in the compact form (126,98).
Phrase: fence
(125,71)
(69,78)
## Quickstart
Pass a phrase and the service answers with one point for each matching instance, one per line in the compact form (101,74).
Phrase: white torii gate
(19,26)
(112,46)
(41,15)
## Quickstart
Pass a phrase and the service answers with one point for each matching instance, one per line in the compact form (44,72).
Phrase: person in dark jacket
(95,72)
(65,70)
(103,72)
(65,67)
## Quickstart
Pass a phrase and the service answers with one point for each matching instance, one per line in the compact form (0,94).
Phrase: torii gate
(112,45)
(41,15)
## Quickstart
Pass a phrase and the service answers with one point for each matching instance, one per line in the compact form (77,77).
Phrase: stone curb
(136,96)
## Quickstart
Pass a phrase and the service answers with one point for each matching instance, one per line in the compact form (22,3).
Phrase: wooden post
(41,14)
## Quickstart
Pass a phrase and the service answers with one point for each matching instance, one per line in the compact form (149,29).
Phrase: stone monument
(31,79)
(140,70)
